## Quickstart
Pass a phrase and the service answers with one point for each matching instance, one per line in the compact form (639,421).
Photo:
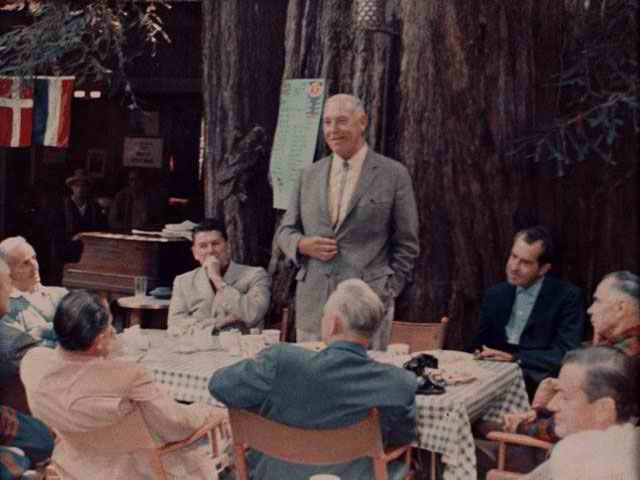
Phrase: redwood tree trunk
(243,48)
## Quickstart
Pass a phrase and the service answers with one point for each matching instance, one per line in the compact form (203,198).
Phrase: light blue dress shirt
(521,310)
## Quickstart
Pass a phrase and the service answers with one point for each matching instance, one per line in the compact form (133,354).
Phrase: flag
(16,112)
(52,117)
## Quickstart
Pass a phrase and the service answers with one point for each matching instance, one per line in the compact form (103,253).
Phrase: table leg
(136,317)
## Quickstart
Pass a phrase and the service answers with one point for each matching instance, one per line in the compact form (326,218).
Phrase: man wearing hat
(78,213)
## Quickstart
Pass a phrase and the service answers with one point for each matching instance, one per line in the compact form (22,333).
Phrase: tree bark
(242,67)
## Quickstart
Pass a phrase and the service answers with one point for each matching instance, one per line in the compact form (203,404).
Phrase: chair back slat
(308,447)
(419,336)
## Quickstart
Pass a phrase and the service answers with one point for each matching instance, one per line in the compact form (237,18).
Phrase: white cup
(271,336)
(398,349)
(324,476)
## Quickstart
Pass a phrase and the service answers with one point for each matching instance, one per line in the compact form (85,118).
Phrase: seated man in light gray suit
(352,215)
(220,293)
(329,389)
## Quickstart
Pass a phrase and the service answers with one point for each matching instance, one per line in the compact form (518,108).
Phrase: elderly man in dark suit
(329,389)
(533,319)
(352,215)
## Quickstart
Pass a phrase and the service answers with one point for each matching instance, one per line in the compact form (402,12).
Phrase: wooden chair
(131,434)
(419,336)
(505,439)
(312,447)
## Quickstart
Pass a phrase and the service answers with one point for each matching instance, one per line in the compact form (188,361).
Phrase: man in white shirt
(352,215)
(32,306)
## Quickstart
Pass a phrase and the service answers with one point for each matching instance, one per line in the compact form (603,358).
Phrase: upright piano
(110,262)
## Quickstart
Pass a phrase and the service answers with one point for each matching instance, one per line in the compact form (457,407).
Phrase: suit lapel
(232,274)
(323,193)
(203,287)
(367,174)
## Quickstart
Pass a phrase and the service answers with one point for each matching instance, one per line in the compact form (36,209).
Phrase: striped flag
(52,116)
(16,112)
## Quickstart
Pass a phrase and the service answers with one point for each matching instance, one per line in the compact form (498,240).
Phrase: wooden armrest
(395,452)
(518,439)
(502,475)
(215,421)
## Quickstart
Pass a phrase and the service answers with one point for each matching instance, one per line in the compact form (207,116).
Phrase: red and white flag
(16,112)
(53,111)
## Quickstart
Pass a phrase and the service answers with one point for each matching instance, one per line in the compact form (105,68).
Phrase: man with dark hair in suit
(220,293)
(533,319)
(329,389)
(352,215)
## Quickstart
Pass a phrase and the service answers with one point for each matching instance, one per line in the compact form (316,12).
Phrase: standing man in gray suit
(352,215)
(219,294)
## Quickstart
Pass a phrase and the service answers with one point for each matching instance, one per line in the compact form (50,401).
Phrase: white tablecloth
(444,421)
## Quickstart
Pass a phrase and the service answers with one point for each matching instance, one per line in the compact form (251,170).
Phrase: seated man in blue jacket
(332,388)
(533,318)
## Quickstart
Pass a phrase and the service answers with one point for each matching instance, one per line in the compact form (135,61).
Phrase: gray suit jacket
(246,295)
(377,240)
(329,389)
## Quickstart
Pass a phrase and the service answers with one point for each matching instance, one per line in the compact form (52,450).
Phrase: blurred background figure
(136,206)
(78,213)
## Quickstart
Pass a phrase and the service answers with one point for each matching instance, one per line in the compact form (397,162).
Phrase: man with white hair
(352,215)
(14,342)
(329,389)
(24,440)
(594,401)
(33,306)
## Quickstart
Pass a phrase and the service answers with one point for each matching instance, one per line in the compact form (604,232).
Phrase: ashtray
(161,293)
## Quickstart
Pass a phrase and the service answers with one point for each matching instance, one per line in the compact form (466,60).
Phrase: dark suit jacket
(555,326)
(329,389)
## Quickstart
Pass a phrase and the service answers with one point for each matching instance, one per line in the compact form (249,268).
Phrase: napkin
(134,338)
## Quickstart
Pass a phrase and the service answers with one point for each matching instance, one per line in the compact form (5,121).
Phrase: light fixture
(79,94)
(95,94)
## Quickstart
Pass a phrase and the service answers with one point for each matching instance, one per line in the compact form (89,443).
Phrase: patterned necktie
(343,182)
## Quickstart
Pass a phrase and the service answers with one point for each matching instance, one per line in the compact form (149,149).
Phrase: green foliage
(93,40)
(599,87)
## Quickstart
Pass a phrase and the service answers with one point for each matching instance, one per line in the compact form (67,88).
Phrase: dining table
(443,421)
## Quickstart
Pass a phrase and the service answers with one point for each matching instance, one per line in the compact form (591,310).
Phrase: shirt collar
(15,293)
(349,346)
(532,290)
(355,162)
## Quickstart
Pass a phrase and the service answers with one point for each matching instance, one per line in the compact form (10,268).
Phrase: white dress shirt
(335,174)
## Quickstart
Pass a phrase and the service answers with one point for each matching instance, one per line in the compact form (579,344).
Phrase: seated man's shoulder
(401,377)
(500,289)
(37,356)
(253,271)
(187,276)
(560,286)
(55,292)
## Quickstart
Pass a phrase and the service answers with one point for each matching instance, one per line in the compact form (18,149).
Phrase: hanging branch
(95,41)
(599,86)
